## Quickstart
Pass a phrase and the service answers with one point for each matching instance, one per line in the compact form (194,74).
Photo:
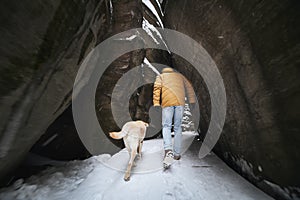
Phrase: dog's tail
(117,135)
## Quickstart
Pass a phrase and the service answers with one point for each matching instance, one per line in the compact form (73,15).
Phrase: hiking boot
(168,158)
(169,153)
(177,157)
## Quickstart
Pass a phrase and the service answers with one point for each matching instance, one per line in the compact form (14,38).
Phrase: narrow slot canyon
(254,46)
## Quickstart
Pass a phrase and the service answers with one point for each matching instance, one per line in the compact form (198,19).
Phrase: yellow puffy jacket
(171,88)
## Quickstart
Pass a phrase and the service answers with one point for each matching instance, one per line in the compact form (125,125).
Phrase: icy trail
(97,178)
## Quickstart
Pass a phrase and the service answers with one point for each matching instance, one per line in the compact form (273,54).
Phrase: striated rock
(256,48)
(42,45)
(122,16)
(255,45)
(126,15)
(130,14)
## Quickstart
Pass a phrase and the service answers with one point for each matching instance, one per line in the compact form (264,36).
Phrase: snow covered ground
(101,177)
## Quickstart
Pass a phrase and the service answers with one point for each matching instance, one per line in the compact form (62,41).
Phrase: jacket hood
(167,70)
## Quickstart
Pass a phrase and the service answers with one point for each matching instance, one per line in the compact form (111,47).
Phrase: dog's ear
(146,124)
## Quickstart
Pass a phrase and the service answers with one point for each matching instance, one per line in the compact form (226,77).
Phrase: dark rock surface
(255,45)
(61,141)
(123,15)
(42,44)
(42,47)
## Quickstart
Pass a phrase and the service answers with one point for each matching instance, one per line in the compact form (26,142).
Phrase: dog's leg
(129,152)
(127,147)
(140,149)
(132,157)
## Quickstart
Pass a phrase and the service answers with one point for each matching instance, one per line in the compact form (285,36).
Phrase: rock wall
(42,44)
(256,47)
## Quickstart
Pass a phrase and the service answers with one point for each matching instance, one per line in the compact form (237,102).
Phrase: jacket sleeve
(156,91)
(189,91)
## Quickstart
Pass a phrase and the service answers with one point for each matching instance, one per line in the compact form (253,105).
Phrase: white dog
(133,134)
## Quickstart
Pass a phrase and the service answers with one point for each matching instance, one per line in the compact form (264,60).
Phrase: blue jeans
(167,116)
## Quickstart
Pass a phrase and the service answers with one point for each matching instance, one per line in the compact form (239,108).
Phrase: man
(170,89)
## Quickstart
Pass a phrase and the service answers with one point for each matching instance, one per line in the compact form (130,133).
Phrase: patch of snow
(148,64)
(111,7)
(54,182)
(146,26)
(187,112)
(130,38)
(150,29)
(153,10)
(187,122)
(189,178)
(124,67)
(159,5)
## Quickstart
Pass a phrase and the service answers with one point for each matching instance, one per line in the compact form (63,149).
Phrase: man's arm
(157,91)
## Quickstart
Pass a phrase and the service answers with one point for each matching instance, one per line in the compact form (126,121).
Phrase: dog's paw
(126,178)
